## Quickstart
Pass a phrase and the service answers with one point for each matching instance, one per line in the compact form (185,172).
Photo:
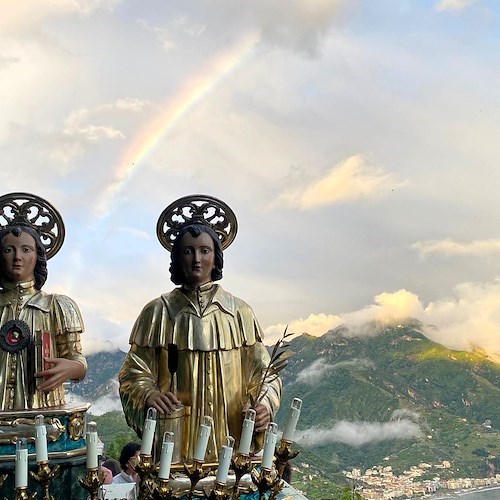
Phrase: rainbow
(188,96)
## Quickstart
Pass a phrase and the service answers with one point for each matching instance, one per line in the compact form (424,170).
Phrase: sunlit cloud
(314,324)
(358,434)
(449,247)
(455,5)
(388,308)
(350,180)
(465,321)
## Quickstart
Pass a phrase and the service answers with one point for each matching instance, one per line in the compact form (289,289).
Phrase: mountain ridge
(362,393)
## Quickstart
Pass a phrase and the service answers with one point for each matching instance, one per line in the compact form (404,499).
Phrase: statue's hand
(164,403)
(62,370)
(262,416)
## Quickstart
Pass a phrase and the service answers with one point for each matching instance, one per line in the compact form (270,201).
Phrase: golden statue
(39,332)
(198,346)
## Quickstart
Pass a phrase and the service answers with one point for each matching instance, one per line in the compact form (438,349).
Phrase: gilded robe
(42,312)
(221,360)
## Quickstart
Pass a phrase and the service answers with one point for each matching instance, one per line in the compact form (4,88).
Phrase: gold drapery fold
(221,361)
(43,312)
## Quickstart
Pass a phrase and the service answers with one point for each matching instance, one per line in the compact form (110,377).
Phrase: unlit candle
(21,467)
(91,440)
(226,454)
(247,432)
(270,438)
(148,432)
(167,449)
(293,418)
(41,439)
(203,436)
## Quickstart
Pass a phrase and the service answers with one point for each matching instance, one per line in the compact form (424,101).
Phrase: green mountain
(395,375)
(387,397)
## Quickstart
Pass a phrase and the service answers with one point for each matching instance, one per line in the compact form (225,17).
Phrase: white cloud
(104,404)
(357,434)
(86,127)
(455,5)
(27,13)
(314,372)
(449,247)
(82,121)
(300,25)
(319,368)
(351,179)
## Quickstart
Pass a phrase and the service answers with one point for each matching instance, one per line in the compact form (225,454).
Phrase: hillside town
(380,483)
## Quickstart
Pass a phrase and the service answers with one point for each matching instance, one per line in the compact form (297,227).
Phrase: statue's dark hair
(176,273)
(40,272)
(128,451)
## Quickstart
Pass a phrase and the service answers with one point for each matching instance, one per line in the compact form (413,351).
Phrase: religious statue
(198,347)
(39,332)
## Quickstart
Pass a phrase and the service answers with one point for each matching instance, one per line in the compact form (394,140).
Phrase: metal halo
(197,209)
(25,209)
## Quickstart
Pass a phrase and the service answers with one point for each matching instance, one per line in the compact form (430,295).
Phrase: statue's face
(18,257)
(197,258)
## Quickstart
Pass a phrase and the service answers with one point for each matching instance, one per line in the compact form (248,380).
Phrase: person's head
(196,256)
(128,455)
(113,465)
(23,256)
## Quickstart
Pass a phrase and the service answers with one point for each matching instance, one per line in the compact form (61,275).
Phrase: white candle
(21,467)
(91,440)
(167,450)
(270,438)
(225,456)
(203,436)
(247,432)
(41,439)
(293,418)
(148,432)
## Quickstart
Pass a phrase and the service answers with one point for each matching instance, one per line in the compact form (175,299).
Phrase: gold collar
(23,287)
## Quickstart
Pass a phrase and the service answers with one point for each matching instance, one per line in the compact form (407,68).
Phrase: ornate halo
(25,209)
(197,209)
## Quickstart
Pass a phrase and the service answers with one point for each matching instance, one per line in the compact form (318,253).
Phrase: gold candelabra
(283,454)
(241,464)
(92,482)
(195,473)
(267,480)
(22,493)
(219,492)
(44,476)
(146,469)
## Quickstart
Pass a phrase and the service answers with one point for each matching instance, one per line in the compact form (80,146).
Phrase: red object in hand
(46,351)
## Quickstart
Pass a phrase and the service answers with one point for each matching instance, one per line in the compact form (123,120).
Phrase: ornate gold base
(195,473)
(92,482)
(241,465)
(267,480)
(44,476)
(23,494)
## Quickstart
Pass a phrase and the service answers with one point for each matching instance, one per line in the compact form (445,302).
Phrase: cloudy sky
(357,142)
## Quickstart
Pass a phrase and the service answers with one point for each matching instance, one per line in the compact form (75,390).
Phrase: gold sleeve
(69,328)
(137,378)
